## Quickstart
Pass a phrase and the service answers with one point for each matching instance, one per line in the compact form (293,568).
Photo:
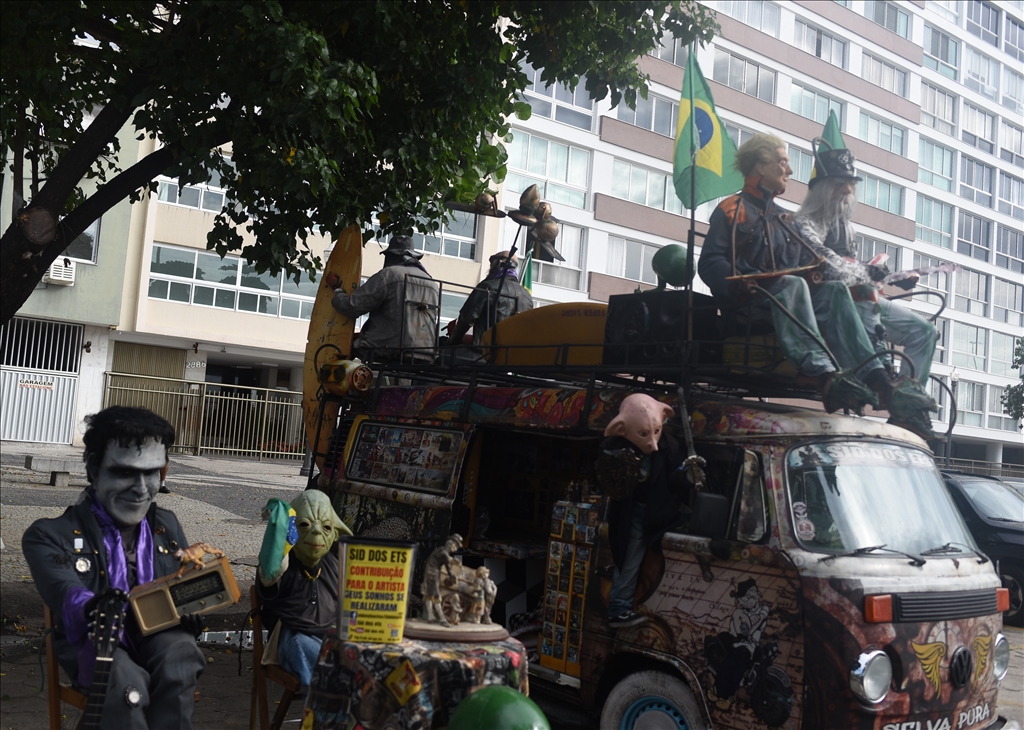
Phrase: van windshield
(849,495)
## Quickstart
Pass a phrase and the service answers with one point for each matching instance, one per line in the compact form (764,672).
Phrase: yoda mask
(318,525)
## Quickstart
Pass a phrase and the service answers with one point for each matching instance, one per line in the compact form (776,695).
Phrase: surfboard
(329,326)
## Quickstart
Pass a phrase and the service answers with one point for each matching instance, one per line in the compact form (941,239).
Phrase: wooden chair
(55,691)
(262,673)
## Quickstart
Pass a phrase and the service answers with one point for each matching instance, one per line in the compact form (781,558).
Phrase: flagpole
(692,235)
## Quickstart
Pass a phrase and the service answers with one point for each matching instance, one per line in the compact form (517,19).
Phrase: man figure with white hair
(824,221)
(497,297)
(750,235)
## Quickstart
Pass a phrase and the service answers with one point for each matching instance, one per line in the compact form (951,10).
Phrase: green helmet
(497,707)
(669,263)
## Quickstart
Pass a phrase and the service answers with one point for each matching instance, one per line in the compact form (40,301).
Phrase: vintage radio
(161,603)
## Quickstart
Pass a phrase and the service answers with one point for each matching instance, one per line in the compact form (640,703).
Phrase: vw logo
(960,667)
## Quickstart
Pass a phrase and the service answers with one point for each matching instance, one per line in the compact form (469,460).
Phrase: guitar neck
(97,694)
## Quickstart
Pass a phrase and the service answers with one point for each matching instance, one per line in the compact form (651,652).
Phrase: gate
(210,418)
(39,362)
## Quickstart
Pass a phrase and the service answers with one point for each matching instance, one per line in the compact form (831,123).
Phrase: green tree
(334,112)
(1013,396)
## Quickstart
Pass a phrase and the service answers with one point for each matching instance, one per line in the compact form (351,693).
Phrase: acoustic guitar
(106,633)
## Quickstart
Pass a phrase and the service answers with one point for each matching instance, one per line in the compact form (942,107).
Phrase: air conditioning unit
(61,272)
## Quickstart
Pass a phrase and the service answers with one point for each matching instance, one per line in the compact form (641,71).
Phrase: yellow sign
(374,591)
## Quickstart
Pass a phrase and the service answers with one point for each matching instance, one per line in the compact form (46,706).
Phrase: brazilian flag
(703,143)
(526,272)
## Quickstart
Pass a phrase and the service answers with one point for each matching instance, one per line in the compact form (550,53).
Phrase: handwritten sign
(374,590)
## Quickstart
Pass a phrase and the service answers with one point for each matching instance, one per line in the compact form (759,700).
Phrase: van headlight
(871,675)
(1000,657)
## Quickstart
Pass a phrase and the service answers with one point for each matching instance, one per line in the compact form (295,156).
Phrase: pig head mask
(640,421)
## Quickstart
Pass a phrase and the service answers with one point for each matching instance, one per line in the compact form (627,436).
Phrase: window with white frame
(881,194)
(977,181)
(937,280)
(558,170)
(938,108)
(941,52)
(867,248)
(566,274)
(764,16)
(457,237)
(205,279)
(820,43)
(631,260)
(970,345)
(934,222)
(935,165)
(814,104)
(889,15)
(1013,38)
(997,417)
(974,236)
(941,354)
(85,247)
(1011,195)
(844,3)
(981,73)
(978,128)
(948,9)
(557,101)
(938,394)
(885,75)
(1011,143)
(209,196)
(645,187)
(744,76)
(1001,361)
(970,404)
(983,21)
(1007,302)
(881,133)
(971,292)
(739,134)
(1010,249)
(672,49)
(802,163)
(653,113)
(1013,90)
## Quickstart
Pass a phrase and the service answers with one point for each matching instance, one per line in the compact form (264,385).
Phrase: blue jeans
(623,589)
(298,653)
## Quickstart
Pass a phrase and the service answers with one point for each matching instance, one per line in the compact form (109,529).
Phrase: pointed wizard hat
(831,157)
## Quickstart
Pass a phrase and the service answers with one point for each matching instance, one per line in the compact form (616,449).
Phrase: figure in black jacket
(634,467)
(117,538)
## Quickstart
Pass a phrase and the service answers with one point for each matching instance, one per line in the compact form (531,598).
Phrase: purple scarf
(76,623)
(512,274)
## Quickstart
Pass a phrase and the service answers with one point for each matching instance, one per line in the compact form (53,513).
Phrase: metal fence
(988,468)
(210,418)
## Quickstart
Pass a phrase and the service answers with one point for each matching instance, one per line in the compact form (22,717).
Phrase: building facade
(930,97)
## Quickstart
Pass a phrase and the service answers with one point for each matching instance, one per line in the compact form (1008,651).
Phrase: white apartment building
(930,97)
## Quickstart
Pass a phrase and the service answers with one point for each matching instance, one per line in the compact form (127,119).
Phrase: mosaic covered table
(413,685)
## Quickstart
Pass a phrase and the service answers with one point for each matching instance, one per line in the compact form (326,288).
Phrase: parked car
(994,513)
(1016,482)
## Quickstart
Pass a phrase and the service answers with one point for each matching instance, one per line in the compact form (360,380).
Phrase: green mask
(318,525)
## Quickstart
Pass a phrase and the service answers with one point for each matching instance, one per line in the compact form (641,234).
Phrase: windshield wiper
(1005,519)
(914,559)
(949,548)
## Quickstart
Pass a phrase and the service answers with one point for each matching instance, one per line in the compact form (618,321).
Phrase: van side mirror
(710,516)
